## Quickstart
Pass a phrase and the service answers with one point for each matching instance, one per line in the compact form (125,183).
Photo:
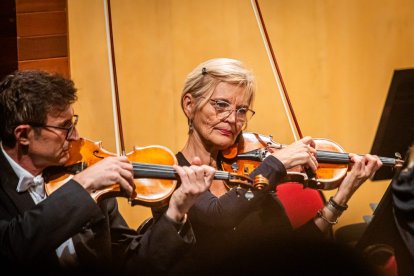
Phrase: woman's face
(218,129)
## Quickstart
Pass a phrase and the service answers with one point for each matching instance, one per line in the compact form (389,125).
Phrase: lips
(225,132)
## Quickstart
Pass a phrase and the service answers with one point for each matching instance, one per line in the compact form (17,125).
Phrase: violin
(154,177)
(333,162)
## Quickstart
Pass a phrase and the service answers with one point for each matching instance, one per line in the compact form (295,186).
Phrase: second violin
(251,148)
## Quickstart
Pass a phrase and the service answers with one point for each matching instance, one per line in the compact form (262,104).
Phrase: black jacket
(29,233)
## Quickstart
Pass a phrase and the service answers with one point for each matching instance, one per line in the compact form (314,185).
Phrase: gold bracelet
(320,215)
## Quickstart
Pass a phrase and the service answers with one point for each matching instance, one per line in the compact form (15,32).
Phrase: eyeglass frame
(69,130)
(215,101)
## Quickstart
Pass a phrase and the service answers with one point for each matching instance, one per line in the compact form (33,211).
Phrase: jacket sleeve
(158,248)
(271,168)
(47,225)
(229,209)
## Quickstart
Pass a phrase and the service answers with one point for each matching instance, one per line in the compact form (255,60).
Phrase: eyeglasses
(223,108)
(69,129)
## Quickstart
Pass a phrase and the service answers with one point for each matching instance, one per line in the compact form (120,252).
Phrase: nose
(231,117)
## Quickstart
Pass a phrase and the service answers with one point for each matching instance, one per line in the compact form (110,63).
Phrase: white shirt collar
(26,179)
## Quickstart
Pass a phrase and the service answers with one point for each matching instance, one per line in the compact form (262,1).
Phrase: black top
(232,232)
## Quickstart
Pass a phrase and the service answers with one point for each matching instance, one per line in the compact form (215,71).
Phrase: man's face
(50,146)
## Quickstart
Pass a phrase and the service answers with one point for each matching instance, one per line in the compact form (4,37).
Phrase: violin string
(343,158)
(146,169)
(387,161)
(327,156)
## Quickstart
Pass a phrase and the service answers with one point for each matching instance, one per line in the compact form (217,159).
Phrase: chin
(63,160)
(224,143)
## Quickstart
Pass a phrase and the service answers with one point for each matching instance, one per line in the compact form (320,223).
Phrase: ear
(188,105)
(21,133)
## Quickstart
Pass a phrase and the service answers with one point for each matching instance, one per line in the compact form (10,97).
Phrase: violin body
(329,175)
(148,192)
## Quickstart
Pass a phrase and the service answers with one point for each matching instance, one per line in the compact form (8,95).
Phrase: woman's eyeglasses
(224,109)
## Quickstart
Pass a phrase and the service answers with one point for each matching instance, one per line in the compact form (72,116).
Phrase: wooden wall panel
(51,65)
(33,35)
(42,41)
(42,47)
(42,23)
(23,6)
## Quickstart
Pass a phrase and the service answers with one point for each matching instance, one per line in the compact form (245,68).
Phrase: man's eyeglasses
(69,129)
(223,108)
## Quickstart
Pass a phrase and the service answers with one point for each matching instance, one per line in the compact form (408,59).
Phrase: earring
(190,125)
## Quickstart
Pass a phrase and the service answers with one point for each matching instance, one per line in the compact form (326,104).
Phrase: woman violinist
(217,99)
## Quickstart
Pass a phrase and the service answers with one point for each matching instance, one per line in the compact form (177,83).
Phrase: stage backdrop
(336,57)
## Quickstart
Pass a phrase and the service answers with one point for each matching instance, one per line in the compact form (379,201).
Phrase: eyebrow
(65,123)
(227,101)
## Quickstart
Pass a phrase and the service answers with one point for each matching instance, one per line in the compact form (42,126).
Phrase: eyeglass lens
(224,110)
(72,127)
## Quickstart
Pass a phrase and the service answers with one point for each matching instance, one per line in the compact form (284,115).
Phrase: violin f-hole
(95,153)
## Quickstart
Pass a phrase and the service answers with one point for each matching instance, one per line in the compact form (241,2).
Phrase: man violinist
(67,231)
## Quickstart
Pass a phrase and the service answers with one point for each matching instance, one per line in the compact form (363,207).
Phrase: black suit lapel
(8,181)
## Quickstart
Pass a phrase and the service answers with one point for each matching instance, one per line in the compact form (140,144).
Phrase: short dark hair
(29,96)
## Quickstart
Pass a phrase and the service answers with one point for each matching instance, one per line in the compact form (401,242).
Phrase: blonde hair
(203,80)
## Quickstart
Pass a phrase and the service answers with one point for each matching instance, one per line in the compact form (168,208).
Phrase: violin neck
(144,170)
(343,158)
